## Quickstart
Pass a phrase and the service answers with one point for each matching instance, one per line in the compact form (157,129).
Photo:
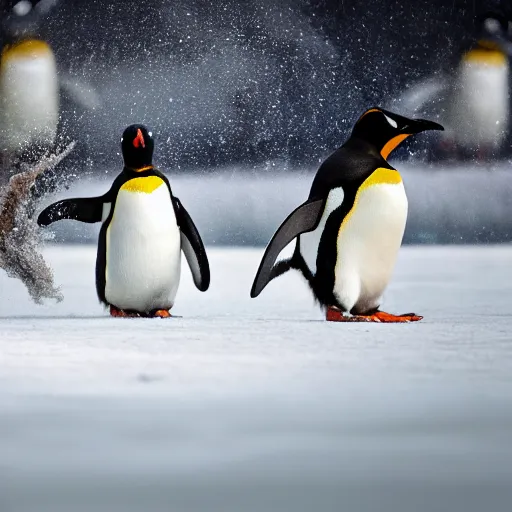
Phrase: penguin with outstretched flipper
(144,229)
(350,229)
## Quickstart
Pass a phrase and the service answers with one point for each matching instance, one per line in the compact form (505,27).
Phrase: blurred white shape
(81,92)
(22,8)
(28,114)
(418,95)
(492,25)
(43,6)
(478,111)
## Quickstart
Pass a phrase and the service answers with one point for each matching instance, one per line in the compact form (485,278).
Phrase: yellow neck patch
(31,48)
(381,176)
(146,185)
(488,56)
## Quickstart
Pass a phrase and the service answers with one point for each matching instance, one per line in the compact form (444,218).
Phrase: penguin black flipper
(193,247)
(83,209)
(303,219)
(88,210)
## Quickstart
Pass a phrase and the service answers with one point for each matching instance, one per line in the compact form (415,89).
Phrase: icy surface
(260,405)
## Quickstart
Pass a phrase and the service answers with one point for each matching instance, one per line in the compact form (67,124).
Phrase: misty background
(250,97)
(246,82)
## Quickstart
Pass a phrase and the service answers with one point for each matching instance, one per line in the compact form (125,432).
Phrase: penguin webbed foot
(125,313)
(382,316)
(122,313)
(336,315)
(160,313)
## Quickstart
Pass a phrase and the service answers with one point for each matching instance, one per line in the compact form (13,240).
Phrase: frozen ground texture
(260,405)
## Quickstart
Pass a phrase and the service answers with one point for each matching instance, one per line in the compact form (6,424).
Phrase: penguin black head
(137,145)
(493,33)
(22,19)
(386,130)
(491,24)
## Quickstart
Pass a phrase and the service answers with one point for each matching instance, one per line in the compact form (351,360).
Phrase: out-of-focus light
(22,8)
(491,25)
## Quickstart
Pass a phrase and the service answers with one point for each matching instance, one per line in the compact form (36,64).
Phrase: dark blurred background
(244,82)
(246,98)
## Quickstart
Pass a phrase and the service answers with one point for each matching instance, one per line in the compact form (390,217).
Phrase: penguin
(479,108)
(32,88)
(348,232)
(144,229)
(473,101)
(29,87)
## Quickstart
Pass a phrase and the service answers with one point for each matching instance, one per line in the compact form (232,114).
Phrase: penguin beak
(421,125)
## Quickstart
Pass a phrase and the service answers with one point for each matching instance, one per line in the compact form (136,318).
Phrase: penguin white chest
(29,107)
(480,107)
(143,247)
(368,241)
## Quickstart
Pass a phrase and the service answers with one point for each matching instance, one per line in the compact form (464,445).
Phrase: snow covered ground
(246,404)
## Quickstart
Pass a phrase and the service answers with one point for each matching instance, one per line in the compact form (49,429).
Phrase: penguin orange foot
(121,313)
(382,316)
(161,313)
(335,315)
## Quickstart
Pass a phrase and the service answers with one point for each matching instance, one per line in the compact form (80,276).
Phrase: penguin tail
(296,262)
(280,268)
(277,270)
